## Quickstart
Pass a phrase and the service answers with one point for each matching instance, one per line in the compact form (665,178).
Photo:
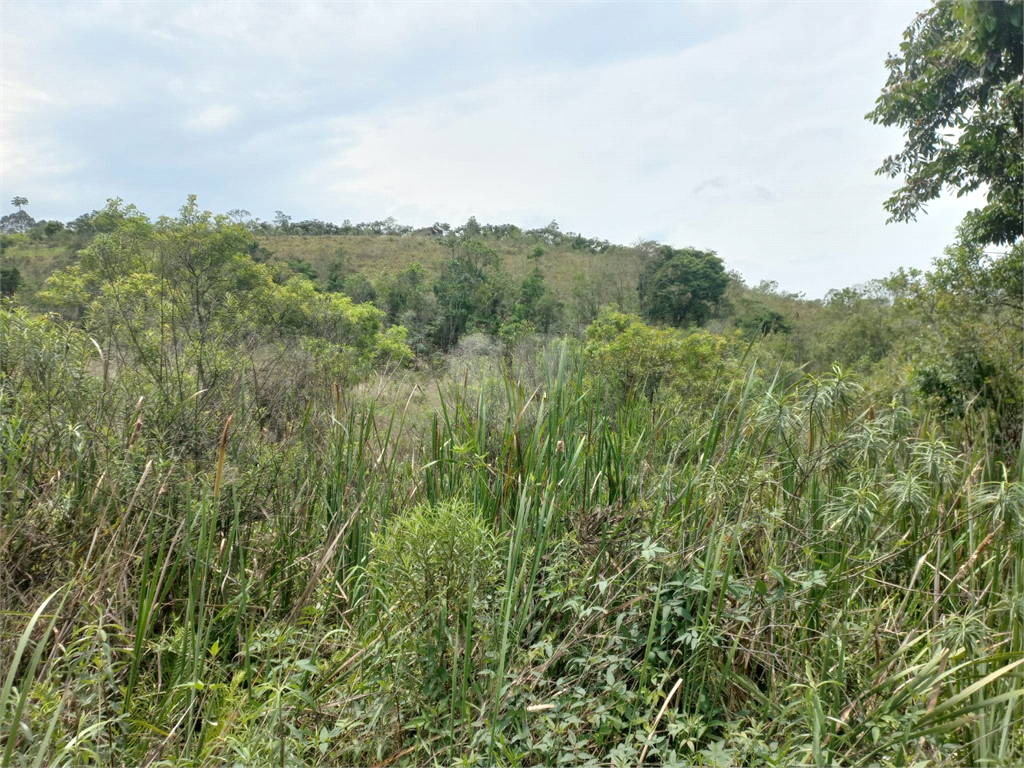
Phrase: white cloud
(24,153)
(284,28)
(213,118)
(753,144)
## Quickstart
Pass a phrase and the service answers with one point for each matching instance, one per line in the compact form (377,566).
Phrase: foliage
(10,280)
(525,581)
(956,88)
(537,304)
(681,287)
(761,321)
(42,363)
(359,288)
(180,307)
(966,351)
(636,551)
(405,299)
(303,268)
(635,359)
(471,292)
(16,223)
(859,327)
(404,292)
(435,568)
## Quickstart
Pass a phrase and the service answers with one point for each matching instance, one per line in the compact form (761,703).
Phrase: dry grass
(614,272)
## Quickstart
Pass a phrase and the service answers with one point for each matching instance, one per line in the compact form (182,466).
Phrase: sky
(731,126)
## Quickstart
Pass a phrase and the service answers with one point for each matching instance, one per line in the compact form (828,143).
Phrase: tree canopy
(682,286)
(956,88)
(179,305)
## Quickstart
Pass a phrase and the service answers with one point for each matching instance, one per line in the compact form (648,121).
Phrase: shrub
(430,559)
(633,359)
(433,567)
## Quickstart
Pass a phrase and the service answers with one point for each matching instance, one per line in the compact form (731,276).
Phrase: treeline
(21,223)
(952,331)
(550,234)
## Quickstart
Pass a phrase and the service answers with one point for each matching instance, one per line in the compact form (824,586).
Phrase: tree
(405,299)
(633,359)
(531,292)
(471,228)
(188,316)
(681,287)
(19,202)
(761,321)
(536,303)
(471,292)
(359,288)
(17,223)
(956,88)
(10,280)
(404,292)
(966,349)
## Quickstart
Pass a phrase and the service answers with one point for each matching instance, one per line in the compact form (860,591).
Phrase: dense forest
(296,493)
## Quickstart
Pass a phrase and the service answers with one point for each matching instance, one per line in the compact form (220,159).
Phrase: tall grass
(803,577)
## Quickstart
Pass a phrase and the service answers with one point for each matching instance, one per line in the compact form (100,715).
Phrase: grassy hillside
(606,277)
(35,261)
(583,280)
(376,254)
(857,328)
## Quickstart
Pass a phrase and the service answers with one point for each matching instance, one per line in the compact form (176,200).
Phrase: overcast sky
(737,127)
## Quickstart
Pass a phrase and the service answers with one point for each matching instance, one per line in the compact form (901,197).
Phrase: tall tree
(957,87)
(19,202)
(471,292)
(681,287)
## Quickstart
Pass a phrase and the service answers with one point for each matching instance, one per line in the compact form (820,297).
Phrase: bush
(431,558)
(359,288)
(43,365)
(10,281)
(434,567)
(633,359)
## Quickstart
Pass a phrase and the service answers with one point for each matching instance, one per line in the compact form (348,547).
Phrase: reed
(797,575)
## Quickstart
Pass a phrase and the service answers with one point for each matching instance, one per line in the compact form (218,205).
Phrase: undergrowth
(538,572)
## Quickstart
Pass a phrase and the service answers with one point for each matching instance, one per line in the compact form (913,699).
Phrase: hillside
(850,327)
(610,276)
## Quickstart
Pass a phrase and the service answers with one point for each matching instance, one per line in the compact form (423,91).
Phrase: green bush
(632,359)
(431,558)
(10,281)
(436,568)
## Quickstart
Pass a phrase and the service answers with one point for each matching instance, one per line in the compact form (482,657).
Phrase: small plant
(430,557)
(436,569)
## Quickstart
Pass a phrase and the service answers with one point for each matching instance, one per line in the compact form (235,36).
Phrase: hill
(579,277)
